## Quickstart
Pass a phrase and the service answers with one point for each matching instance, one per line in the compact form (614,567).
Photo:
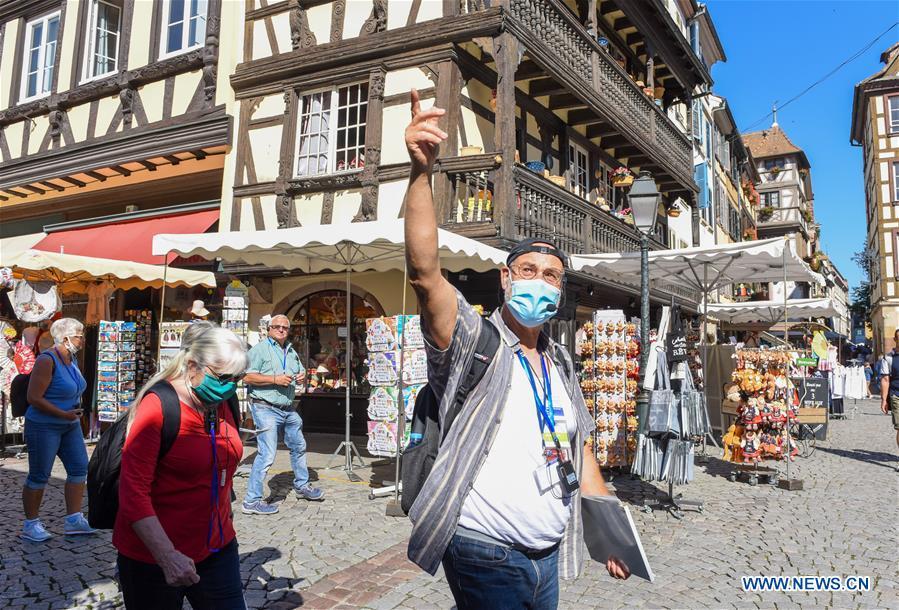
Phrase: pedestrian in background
(274,373)
(52,429)
(174,531)
(889,385)
(869,375)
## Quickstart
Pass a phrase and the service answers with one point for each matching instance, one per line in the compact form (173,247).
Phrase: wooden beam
(53,186)
(95,175)
(4,198)
(566,100)
(600,130)
(614,141)
(623,23)
(122,170)
(626,151)
(172,159)
(633,38)
(545,86)
(607,8)
(34,189)
(199,154)
(583,117)
(16,193)
(528,70)
(148,164)
(74,181)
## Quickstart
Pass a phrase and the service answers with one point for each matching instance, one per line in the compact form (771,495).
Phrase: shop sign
(816,392)
(807,361)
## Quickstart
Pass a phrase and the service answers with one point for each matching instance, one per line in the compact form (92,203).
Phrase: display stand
(116,368)
(608,376)
(235,315)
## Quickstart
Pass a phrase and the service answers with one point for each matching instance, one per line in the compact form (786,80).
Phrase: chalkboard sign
(677,347)
(816,392)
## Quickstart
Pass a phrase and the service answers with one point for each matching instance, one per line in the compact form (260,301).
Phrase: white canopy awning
(707,268)
(772,311)
(359,246)
(72,272)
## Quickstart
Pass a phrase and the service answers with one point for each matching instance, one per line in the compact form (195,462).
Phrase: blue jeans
(45,442)
(271,419)
(495,576)
(220,588)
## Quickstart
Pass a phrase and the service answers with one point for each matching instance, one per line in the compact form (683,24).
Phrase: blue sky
(775,49)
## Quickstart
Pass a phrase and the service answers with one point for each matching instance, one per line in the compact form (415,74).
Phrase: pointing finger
(416,102)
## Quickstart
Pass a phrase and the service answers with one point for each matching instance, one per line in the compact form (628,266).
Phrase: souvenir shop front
(117,301)
(317,273)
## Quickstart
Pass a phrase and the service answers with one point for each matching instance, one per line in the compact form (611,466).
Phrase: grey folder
(609,531)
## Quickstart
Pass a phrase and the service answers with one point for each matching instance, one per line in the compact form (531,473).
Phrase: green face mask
(213,391)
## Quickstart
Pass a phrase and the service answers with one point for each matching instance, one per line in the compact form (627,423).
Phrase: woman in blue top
(52,429)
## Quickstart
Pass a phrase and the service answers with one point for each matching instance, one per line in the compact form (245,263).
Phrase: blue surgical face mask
(212,391)
(533,302)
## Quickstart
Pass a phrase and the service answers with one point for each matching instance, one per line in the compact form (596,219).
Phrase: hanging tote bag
(696,417)
(662,402)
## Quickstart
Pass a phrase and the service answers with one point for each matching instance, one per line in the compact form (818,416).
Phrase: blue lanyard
(283,355)
(545,414)
(214,496)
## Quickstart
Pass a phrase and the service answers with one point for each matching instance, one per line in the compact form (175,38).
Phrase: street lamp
(643,200)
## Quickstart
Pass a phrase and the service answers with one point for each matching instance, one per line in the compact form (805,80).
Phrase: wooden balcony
(785,218)
(539,208)
(559,44)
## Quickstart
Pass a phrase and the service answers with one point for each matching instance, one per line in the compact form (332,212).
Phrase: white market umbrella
(360,246)
(770,312)
(72,272)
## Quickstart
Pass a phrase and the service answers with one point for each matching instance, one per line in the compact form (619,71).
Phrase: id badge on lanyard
(557,468)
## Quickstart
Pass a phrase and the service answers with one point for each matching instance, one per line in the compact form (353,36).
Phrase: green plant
(766,213)
(807,215)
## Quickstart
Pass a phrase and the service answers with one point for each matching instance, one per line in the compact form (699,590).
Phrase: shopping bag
(662,402)
(695,415)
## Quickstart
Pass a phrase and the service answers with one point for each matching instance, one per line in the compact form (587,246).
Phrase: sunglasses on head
(226,378)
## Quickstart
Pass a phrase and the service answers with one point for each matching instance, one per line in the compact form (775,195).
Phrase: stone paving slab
(345,553)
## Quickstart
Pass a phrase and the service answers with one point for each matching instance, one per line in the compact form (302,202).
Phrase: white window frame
(580,177)
(87,75)
(44,21)
(895,181)
(185,30)
(333,127)
(892,103)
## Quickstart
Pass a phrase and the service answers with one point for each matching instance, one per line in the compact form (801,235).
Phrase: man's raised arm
(435,295)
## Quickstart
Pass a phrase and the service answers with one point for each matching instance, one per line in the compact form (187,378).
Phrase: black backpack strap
(234,405)
(484,353)
(171,414)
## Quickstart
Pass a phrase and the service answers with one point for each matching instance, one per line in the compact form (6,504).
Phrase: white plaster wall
(152,95)
(266,146)
(261,46)
(247,221)
(390,199)
(10,34)
(70,26)
(309,209)
(269,216)
(281,23)
(401,81)
(139,51)
(185,85)
(357,11)
(320,21)
(14,133)
(38,128)
(272,105)
(393,149)
(78,117)
(346,206)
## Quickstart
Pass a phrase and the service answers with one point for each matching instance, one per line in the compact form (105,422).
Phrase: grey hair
(65,327)
(208,345)
(194,330)
(276,316)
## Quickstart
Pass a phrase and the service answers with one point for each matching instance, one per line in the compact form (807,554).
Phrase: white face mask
(70,346)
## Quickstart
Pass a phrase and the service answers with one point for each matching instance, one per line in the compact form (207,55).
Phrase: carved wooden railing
(470,197)
(549,25)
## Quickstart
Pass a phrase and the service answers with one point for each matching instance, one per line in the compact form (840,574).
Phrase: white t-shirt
(505,502)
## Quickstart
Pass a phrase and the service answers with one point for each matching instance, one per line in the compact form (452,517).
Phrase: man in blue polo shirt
(272,377)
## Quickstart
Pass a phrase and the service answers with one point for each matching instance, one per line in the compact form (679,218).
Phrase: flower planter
(558,180)
(620,181)
(468,151)
(673,212)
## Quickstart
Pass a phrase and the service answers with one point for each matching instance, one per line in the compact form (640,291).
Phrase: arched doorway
(318,333)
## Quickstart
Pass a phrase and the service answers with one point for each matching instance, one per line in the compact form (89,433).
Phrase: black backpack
(418,459)
(105,464)
(18,390)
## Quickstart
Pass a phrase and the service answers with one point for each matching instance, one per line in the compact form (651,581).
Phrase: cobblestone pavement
(346,553)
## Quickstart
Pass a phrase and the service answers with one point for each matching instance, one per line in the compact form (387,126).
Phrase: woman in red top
(173,529)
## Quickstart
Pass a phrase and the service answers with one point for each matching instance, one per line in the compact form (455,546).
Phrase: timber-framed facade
(580,87)
(130,105)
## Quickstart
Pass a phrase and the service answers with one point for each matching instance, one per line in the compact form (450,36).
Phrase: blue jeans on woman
(496,576)
(270,420)
(45,442)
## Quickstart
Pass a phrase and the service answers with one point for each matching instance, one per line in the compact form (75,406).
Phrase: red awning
(127,240)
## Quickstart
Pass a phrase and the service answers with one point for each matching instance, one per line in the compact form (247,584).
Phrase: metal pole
(349,348)
(787,341)
(401,416)
(643,396)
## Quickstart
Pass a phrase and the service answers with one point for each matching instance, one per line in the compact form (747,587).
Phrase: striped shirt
(435,513)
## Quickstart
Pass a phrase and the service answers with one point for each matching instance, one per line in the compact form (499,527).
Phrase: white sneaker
(78,526)
(35,531)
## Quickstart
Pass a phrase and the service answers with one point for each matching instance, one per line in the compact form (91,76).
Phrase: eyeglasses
(226,378)
(279,327)
(527,271)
